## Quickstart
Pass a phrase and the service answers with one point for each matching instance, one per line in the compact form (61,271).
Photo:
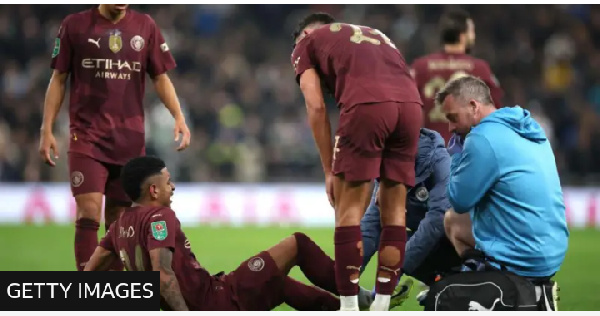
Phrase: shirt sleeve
(438,200)
(107,241)
(62,53)
(160,59)
(302,57)
(162,230)
(472,173)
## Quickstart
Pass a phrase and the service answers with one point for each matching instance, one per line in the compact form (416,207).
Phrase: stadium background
(253,167)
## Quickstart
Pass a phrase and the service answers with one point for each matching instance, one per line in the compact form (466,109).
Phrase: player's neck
(146,204)
(106,13)
(455,48)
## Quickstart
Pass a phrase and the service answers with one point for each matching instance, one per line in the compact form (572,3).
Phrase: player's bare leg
(459,231)
(392,201)
(88,213)
(299,250)
(351,200)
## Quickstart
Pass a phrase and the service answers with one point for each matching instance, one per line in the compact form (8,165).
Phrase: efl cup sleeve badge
(159,230)
(137,43)
(115,42)
(56,47)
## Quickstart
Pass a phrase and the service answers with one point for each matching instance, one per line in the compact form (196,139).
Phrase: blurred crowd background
(247,116)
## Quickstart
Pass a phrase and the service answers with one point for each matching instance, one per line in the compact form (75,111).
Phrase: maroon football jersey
(431,73)
(107,63)
(357,64)
(141,229)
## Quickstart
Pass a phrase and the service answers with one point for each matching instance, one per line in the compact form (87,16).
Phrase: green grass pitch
(50,248)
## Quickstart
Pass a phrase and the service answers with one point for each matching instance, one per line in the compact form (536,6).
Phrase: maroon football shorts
(257,283)
(90,175)
(378,140)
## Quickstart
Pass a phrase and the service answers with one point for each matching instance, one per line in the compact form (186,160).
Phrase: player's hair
(313,18)
(467,88)
(136,171)
(452,24)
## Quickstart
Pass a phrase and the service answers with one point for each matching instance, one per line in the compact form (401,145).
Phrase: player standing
(106,50)
(377,136)
(431,72)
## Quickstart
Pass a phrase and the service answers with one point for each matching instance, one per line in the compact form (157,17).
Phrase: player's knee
(89,206)
(349,217)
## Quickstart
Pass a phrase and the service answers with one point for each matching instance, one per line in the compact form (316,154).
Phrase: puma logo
(96,42)
(475,306)
(394,271)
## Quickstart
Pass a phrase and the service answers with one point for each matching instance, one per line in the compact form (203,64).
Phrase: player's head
(457,27)
(309,23)
(465,101)
(146,180)
(115,10)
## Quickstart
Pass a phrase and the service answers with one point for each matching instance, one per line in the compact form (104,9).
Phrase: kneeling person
(428,251)
(148,237)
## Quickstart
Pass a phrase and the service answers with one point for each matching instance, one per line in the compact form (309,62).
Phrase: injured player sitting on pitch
(148,237)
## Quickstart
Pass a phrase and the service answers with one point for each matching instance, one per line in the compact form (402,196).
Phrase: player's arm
(166,92)
(472,173)
(55,94)
(161,259)
(310,84)
(431,228)
(160,61)
(105,254)
(101,260)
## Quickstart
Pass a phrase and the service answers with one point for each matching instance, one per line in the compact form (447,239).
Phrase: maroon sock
(391,256)
(302,297)
(117,265)
(348,259)
(86,240)
(317,266)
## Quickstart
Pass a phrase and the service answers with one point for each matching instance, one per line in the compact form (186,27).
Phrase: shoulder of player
(481,64)
(423,60)
(78,17)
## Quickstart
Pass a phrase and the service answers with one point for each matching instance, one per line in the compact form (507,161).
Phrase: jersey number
(431,88)
(138,259)
(358,36)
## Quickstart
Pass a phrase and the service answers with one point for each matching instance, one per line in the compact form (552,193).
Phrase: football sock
(303,297)
(391,255)
(348,259)
(86,240)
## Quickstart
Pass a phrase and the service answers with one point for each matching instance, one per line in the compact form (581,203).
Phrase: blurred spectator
(243,106)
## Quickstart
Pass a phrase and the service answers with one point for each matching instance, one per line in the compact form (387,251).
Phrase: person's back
(521,221)
(358,64)
(433,71)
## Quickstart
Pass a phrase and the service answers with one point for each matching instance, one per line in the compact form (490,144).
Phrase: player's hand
(47,144)
(181,129)
(455,144)
(329,177)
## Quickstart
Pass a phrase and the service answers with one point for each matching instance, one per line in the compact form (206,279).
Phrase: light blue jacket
(506,177)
